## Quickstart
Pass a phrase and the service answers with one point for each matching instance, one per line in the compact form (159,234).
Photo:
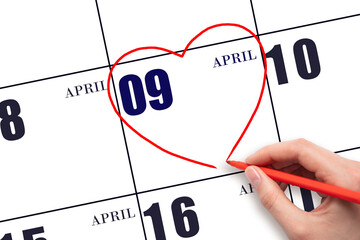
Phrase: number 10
(300,59)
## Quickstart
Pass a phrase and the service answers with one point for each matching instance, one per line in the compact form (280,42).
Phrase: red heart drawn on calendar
(181,54)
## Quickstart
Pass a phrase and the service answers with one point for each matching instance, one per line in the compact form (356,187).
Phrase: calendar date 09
(158,87)
(132,92)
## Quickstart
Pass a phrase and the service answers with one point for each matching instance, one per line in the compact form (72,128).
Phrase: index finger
(322,162)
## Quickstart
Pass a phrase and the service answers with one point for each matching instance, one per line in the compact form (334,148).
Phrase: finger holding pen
(311,161)
(334,218)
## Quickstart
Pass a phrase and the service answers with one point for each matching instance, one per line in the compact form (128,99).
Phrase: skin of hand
(334,218)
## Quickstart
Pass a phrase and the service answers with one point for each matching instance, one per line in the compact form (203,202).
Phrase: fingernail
(253,176)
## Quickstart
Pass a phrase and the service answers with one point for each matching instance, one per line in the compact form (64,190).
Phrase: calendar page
(117,117)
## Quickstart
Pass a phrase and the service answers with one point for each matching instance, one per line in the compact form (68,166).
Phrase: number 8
(10,118)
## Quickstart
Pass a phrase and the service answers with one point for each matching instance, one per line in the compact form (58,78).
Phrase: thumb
(274,199)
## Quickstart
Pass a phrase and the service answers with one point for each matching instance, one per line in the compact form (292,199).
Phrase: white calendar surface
(72,169)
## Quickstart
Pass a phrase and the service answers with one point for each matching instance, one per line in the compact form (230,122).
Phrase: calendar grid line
(142,192)
(305,193)
(121,63)
(66,208)
(269,91)
(267,80)
(119,197)
(53,77)
(273,109)
(190,182)
(122,125)
(189,49)
(178,51)
(290,193)
(347,150)
(310,24)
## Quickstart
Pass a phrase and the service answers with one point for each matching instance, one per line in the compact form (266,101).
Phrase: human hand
(334,218)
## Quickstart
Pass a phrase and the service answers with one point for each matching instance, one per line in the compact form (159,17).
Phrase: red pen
(320,187)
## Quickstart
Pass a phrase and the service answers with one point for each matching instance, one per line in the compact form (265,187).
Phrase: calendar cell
(311,108)
(168,24)
(80,159)
(65,37)
(186,127)
(212,209)
(78,223)
(278,15)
